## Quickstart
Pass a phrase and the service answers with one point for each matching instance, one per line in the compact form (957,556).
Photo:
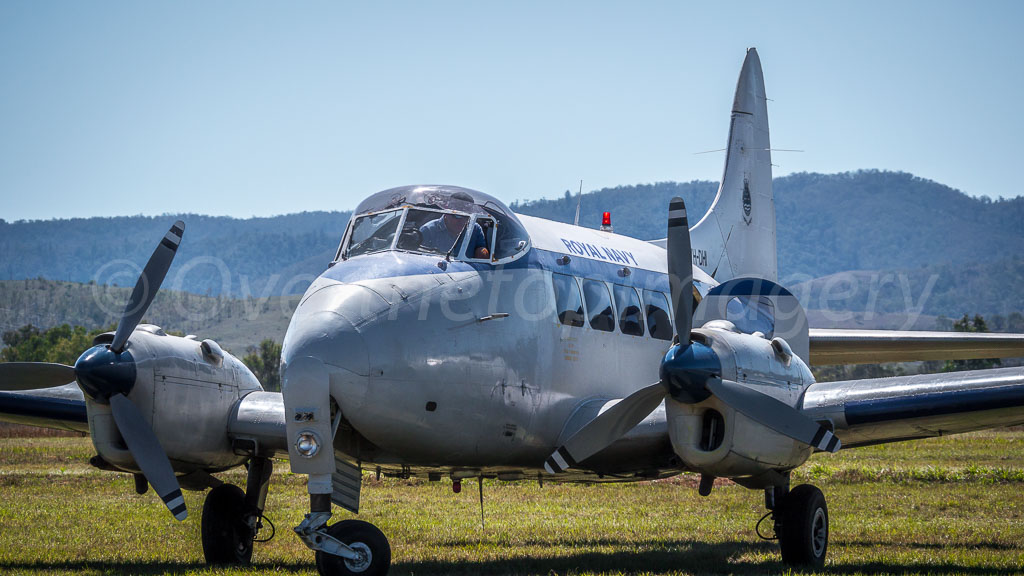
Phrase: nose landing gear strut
(346,547)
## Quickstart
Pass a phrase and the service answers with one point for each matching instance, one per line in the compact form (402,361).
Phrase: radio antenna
(579,200)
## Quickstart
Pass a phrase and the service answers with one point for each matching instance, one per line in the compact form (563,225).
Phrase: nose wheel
(370,545)
(801,524)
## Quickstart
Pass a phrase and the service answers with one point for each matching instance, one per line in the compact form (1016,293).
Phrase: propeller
(147,285)
(690,373)
(34,375)
(106,374)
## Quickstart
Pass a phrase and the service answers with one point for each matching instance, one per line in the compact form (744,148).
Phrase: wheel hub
(819,532)
(364,560)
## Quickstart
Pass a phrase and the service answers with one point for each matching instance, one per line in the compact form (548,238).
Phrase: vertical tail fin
(737,235)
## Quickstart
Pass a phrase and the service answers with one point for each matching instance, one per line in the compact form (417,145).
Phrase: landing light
(308,444)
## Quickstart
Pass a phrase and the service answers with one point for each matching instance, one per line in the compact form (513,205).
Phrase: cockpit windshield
(373,233)
(445,221)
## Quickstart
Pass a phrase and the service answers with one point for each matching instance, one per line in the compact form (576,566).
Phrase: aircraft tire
(227,539)
(360,535)
(802,527)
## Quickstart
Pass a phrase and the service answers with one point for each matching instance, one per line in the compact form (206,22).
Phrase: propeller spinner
(690,373)
(106,374)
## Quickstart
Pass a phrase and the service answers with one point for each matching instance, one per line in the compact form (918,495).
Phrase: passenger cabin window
(568,303)
(628,303)
(658,320)
(599,305)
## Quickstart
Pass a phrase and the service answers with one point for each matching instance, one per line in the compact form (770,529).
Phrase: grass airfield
(951,505)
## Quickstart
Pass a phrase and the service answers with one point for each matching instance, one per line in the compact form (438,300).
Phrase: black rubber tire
(802,527)
(227,539)
(356,533)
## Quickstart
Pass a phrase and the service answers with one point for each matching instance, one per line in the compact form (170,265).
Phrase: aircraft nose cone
(102,373)
(686,369)
(327,326)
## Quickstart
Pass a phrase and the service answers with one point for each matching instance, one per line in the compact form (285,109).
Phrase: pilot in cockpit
(442,233)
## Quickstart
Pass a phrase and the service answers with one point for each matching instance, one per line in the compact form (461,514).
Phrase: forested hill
(219,255)
(866,220)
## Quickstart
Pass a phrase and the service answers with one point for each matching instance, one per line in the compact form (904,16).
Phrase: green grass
(944,506)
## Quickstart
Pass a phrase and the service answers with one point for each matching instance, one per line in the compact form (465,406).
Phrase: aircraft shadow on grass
(673,556)
(688,556)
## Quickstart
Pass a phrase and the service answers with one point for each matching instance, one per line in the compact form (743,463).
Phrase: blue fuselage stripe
(938,404)
(390,264)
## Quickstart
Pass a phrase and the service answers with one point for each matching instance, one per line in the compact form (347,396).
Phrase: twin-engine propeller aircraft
(453,338)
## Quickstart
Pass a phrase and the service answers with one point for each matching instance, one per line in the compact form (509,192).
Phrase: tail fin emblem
(746,201)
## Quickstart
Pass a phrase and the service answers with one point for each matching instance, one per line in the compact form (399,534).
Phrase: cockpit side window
(510,236)
(480,245)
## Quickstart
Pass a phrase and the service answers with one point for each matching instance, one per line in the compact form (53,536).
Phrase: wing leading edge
(883,410)
(62,408)
(838,346)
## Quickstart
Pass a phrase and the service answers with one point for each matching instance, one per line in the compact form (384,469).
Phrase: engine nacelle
(713,438)
(186,390)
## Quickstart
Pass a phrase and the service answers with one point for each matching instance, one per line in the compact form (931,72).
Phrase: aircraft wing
(881,410)
(839,346)
(256,422)
(62,407)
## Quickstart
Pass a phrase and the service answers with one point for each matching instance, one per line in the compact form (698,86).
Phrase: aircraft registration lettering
(700,257)
(599,252)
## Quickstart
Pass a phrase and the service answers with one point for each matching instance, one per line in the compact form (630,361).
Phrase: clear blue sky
(260,108)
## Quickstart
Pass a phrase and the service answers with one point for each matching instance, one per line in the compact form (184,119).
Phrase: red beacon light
(606,222)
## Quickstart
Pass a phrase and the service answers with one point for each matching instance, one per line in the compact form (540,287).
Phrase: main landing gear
(232,518)
(801,524)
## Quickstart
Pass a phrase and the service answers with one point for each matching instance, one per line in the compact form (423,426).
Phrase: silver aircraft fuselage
(451,364)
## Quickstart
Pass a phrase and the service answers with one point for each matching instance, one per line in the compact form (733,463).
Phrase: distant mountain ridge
(219,255)
(828,223)
(867,220)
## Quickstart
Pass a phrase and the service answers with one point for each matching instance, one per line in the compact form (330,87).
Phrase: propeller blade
(148,454)
(34,375)
(148,285)
(680,268)
(611,425)
(780,417)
